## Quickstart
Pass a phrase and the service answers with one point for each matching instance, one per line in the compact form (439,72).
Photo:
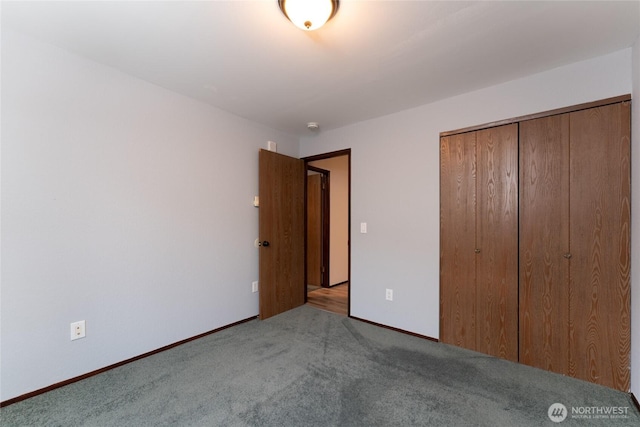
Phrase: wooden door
(457,240)
(599,289)
(314,229)
(497,242)
(544,243)
(281,222)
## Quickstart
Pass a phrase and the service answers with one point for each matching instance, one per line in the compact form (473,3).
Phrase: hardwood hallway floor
(334,299)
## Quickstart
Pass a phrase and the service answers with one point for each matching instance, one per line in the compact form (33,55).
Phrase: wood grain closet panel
(497,242)
(599,238)
(457,240)
(544,243)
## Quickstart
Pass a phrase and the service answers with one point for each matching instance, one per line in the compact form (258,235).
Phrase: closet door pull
(477,251)
(567,255)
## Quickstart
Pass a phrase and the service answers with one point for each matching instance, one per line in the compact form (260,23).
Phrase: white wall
(395,182)
(117,207)
(123,204)
(635,223)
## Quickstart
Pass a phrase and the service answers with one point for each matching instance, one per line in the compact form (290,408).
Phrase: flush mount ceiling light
(309,15)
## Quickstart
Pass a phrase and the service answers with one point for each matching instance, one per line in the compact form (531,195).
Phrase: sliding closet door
(599,237)
(497,242)
(457,240)
(544,243)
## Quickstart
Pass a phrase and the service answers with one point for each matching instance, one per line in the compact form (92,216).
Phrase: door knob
(567,255)
(477,251)
(265,243)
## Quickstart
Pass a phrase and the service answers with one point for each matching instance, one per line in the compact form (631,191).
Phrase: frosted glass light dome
(309,15)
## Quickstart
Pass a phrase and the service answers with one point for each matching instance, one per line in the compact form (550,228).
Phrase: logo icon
(557,412)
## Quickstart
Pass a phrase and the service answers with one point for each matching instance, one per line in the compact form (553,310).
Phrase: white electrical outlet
(254,286)
(389,295)
(78,330)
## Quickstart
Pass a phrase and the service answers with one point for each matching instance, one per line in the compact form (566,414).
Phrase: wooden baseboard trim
(338,284)
(635,401)
(118,364)
(396,329)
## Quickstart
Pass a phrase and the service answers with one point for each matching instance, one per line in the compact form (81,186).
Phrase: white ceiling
(372,59)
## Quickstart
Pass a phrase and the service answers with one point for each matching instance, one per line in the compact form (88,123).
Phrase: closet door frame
(579,107)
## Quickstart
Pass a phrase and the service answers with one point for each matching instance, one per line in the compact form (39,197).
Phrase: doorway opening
(328,213)
(318,227)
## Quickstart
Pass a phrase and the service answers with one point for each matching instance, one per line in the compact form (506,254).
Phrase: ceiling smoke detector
(313,126)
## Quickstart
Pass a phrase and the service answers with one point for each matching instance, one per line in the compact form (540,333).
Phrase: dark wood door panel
(544,243)
(314,229)
(457,241)
(599,238)
(497,242)
(281,223)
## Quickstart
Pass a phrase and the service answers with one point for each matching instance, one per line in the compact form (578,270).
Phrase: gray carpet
(308,367)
